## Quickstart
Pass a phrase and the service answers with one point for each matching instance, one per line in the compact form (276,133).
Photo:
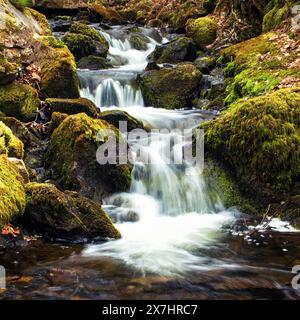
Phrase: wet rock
(19,100)
(84,40)
(178,50)
(21,167)
(94,63)
(12,200)
(8,71)
(206,64)
(71,158)
(115,116)
(171,88)
(72,106)
(67,215)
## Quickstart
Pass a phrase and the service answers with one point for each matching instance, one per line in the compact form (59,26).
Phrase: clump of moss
(84,40)
(80,28)
(260,140)
(277,11)
(202,30)
(80,45)
(72,159)
(52,42)
(12,192)
(9,144)
(68,214)
(72,106)
(19,100)
(171,88)
(59,77)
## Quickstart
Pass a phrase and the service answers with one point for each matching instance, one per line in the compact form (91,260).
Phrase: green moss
(19,100)
(72,106)
(260,140)
(255,67)
(19,130)
(68,214)
(56,119)
(94,63)
(10,145)
(12,193)
(202,30)
(171,88)
(222,186)
(52,42)
(83,29)
(72,157)
(80,45)
(59,77)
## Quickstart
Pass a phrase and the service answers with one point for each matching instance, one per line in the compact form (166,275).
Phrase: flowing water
(181,242)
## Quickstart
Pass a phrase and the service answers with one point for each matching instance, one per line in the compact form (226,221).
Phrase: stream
(182,244)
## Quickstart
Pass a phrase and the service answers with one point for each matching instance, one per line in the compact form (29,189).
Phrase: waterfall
(177,217)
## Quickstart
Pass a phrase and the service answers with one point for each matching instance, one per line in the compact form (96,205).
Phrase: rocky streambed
(75,229)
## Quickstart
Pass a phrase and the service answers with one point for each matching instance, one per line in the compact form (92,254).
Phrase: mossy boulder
(19,100)
(84,40)
(59,77)
(72,106)
(12,192)
(139,41)
(71,158)
(178,50)
(277,11)
(202,30)
(8,71)
(80,45)
(259,139)
(65,214)
(171,88)
(115,116)
(94,63)
(10,145)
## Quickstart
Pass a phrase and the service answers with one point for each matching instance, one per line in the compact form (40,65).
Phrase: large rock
(59,77)
(203,31)
(94,63)
(26,39)
(71,158)
(10,145)
(65,214)
(84,40)
(178,50)
(19,100)
(12,192)
(171,88)
(259,140)
(72,106)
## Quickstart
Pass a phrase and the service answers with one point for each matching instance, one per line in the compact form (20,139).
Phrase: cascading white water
(177,217)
